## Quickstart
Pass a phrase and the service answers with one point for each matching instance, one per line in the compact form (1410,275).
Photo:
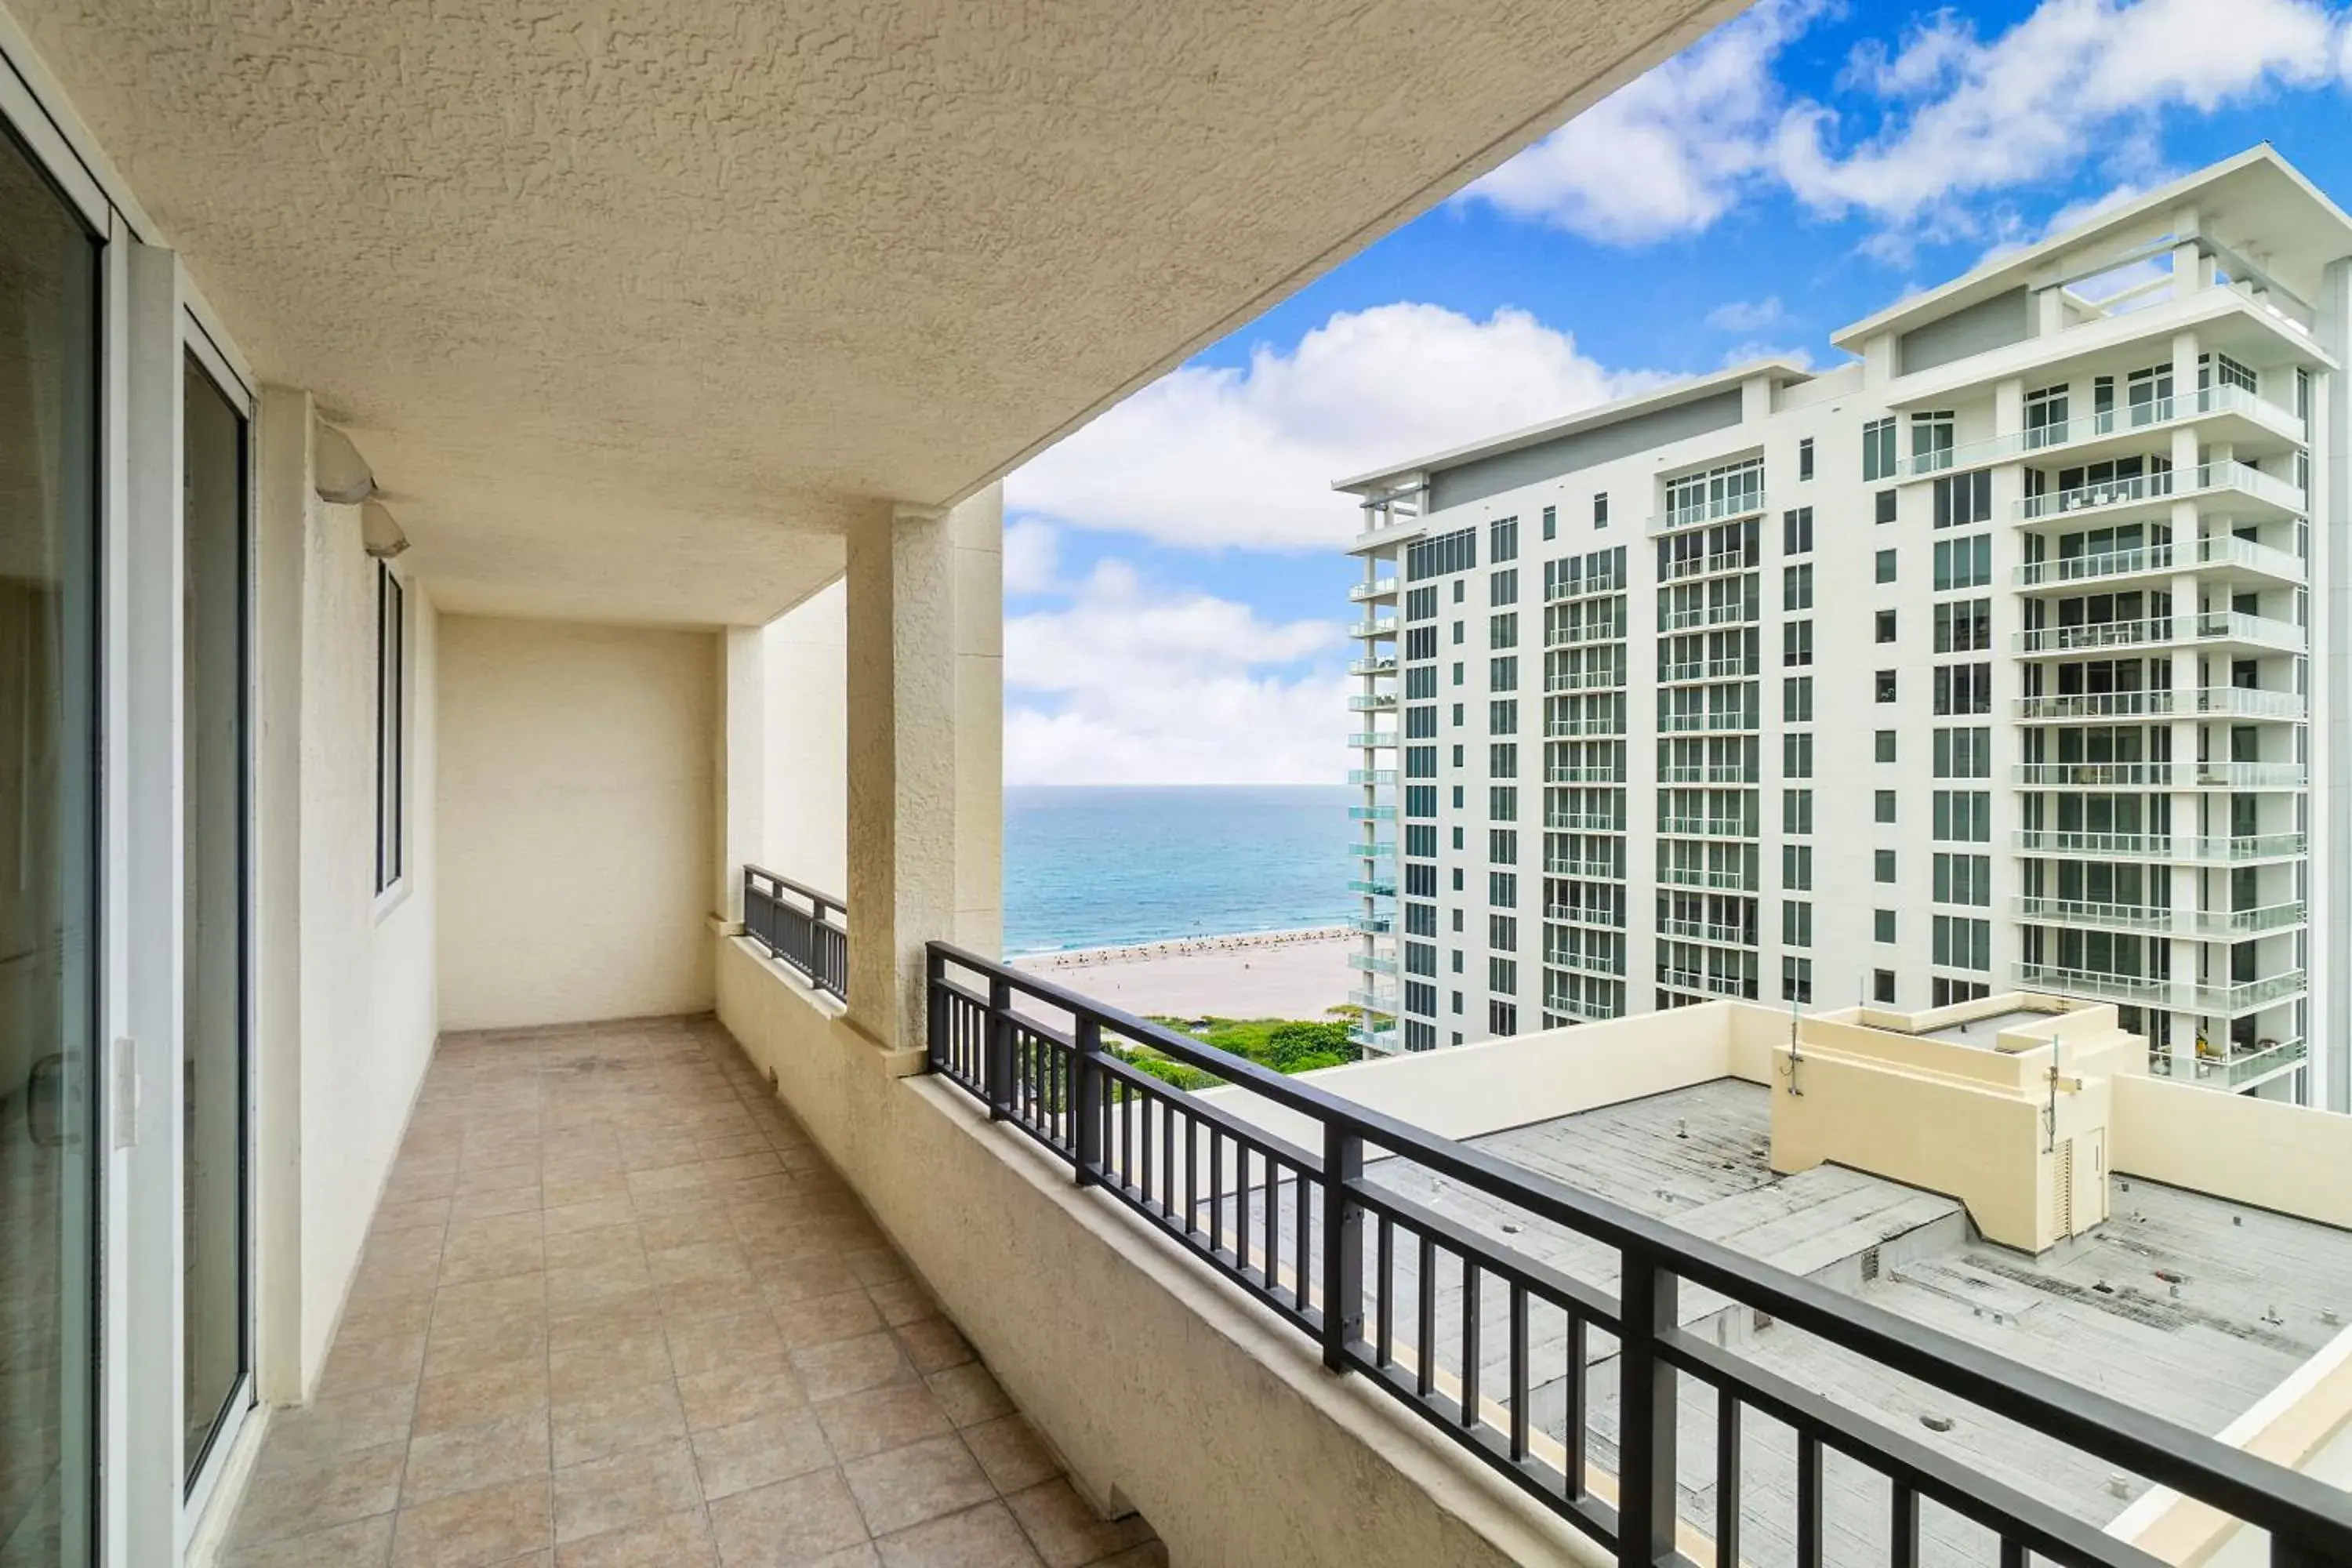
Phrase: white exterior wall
(576,787)
(1985,393)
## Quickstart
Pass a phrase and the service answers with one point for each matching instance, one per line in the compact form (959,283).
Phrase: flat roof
(1687,391)
(2256,194)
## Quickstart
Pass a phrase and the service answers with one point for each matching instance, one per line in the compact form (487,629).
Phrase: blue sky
(1175,590)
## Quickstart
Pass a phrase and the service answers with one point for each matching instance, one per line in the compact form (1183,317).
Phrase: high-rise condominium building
(2008,655)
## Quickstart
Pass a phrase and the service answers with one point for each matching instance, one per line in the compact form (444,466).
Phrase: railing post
(1000,1048)
(1087,1100)
(935,1008)
(1645,1504)
(2287,1553)
(1343,1244)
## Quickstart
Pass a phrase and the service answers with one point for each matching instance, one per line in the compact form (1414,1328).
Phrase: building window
(1885,504)
(1885,743)
(1796,979)
(1964,625)
(1502,890)
(1962,500)
(1797,586)
(1503,588)
(1796,531)
(1551,522)
(1421,604)
(1963,753)
(1882,805)
(1797,867)
(1796,811)
(1503,540)
(1963,688)
(1503,630)
(1503,717)
(1454,551)
(1503,673)
(1795,643)
(1961,943)
(1882,864)
(1882,985)
(1886,566)
(1797,699)
(1600,509)
(1503,760)
(1963,562)
(1881,927)
(1805,458)
(1878,451)
(1883,689)
(391,728)
(1503,805)
(1796,924)
(1797,755)
(1502,1018)
(1963,816)
(1885,626)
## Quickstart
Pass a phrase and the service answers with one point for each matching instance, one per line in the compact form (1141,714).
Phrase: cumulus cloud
(1126,684)
(1032,557)
(1245,456)
(1922,125)
(1748,316)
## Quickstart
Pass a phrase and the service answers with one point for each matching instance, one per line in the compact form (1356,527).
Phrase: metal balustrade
(2150,415)
(1418,1303)
(812,942)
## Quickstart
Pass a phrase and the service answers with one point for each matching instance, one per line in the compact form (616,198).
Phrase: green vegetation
(1286,1045)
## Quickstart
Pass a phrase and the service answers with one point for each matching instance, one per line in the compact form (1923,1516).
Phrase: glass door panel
(48,867)
(214,1314)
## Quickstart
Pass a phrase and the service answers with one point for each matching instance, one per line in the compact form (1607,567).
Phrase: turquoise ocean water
(1089,866)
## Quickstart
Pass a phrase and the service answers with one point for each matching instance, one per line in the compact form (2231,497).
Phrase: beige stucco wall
(2258,1151)
(576,787)
(1157,1383)
(804,827)
(367,962)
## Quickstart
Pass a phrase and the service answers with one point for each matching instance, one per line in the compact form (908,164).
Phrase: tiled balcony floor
(615,1309)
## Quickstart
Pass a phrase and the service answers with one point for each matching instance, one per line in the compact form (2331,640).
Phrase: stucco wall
(2256,1152)
(804,833)
(1156,1383)
(367,963)
(576,786)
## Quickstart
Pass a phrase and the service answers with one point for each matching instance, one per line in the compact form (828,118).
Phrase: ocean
(1096,866)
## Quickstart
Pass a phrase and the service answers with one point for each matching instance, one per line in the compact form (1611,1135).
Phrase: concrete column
(806,823)
(2330,1021)
(925,681)
(2008,406)
(739,773)
(2192,268)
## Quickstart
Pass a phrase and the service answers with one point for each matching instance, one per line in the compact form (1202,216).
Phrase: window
(1797,867)
(1797,755)
(1805,458)
(1419,680)
(1420,957)
(1964,562)
(1884,507)
(1503,588)
(1457,707)
(1458,667)
(1421,882)
(1503,805)
(1503,1017)
(1454,551)
(1882,866)
(1551,522)
(1796,811)
(1796,531)
(1882,805)
(1503,760)
(1600,509)
(1882,985)
(391,728)
(1878,451)
(1457,599)
(1963,816)
(1796,924)
(1420,800)
(1964,625)
(1884,687)
(1964,879)
(1421,762)
(1503,933)
(1961,943)
(1457,760)
(1962,500)
(1885,744)
(1503,673)
(1886,566)
(1885,626)
(1503,630)
(1795,643)
(1503,540)
(1420,724)
(1502,890)
(1421,604)
(1797,699)
(1964,753)
(1796,979)
(1797,586)
(1422,840)
(1881,926)
(1963,688)
(1503,717)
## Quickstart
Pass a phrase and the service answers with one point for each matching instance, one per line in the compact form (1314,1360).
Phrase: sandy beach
(1259,974)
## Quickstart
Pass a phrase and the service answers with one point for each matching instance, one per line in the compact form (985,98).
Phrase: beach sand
(1262,974)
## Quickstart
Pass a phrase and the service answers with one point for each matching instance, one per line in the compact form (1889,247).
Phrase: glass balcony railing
(1585,772)
(1376,777)
(2095,775)
(1372,962)
(1700,930)
(2094,845)
(2240,478)
(1373,703)
(2137,988)
(2233,626)
(1584,822)
(2150,415)
(2214,550)
(2248,994)
(1372,1000)
(1372,851)
(1379,886)
(2251,776)
(1378,588)
(1561,866)
(2250,922)
(1370,740)
(2245,847)
(1374,925)
(1377,627)
(1586,681)
(1371,814)
(2079,911)
(1706,828)
(2094,635)
(2227,550)
(1714,509)
(2222,701)
(2235,1071)
(1704,876)
(1384,665)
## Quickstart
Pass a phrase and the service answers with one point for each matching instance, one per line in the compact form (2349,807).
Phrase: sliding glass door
(49,327)
(213,1338)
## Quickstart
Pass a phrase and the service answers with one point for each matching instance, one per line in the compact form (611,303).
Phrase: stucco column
(739,774)
(806,822)
(926,718)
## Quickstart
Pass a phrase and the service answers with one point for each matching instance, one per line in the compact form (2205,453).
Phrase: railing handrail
(826,905)
(821,952)
(2263,1494)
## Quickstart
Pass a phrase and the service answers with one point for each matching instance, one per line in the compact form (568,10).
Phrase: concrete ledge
(1161,1385)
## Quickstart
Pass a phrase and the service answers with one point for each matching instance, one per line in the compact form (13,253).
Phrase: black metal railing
(805,929)
(1512,1355)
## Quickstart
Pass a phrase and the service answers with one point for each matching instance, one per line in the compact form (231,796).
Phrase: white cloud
(1032,557)
(1943,116)
(1748,316)
(1668,153)
(1160,686)
(1246,455)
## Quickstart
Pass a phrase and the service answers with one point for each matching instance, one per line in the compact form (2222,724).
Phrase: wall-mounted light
(339,475)
(379,533)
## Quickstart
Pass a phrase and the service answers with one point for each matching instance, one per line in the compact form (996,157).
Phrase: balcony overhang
(634,314)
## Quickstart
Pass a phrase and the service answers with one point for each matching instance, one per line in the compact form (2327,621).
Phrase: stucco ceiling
(634,307)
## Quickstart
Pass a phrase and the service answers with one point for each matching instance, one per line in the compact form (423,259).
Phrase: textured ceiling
(634,308)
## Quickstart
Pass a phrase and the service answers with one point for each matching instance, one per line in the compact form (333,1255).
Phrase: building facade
(2000,656)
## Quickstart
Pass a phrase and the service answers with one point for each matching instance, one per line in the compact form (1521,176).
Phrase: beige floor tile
(682,1539)
(747,1340)
(473,1530)
(365,1543)
(1012,1453)
(424,1216)
(579,1366)
(624,1489)
(1066,1531)
(697,1261)
(467,1459)
(723,1297)
(607,1421)
(301,1498)
(337,1424)
(772,1448)
(901,1300)
(984,1537)
(923,1481)
(844,1366)
(730,1394)
(600,1279)
(378,1361)
(471,1398)
(787,1525)
(695,1227)
(970,1394)
(932,1344)
(877,1419)
(495,1203)
(820,1320)
(479,1300)
(514,1339)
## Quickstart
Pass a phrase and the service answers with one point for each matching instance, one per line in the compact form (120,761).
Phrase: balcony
(1381,884)
(2173,775)
(2235,1071)
(1375,778)
(2138,990)
(1701,931)
(1585,724)
(1704,876)
(1378,588)
(2077,912)
(1585,821)
(1376,626)
(1372,740)
(2220,557)
(2207,701)
(1371,814)
(2233,925)
(1374,925)
(2223,629)
(1373,703)
(1372,962)
(1742,503)
(1372,1000)
(1371,849)
(2242,492)
(2229,1000)
(1587,680)
(1384,665)
(1703,827)
(2237,410)
(1563,865)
